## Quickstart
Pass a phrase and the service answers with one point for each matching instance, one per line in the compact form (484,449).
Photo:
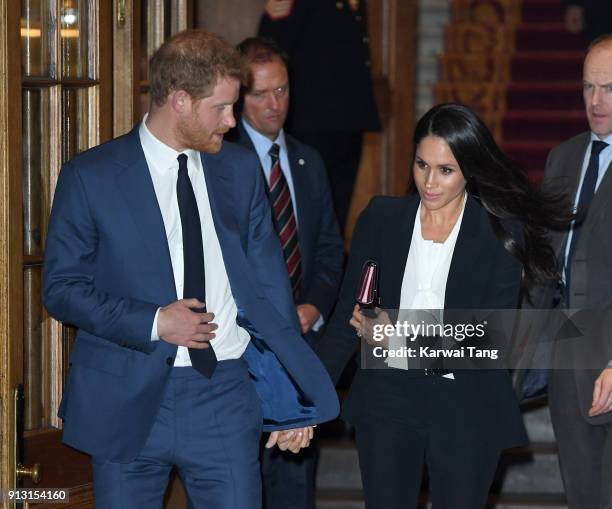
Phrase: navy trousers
(209,429)
(289,479)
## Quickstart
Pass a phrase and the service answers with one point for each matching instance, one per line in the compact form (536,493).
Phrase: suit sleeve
(329,252)
(285,30)
(339,342)
(264,249)
(69,291)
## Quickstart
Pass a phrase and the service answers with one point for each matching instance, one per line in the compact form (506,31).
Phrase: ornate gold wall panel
(475,67)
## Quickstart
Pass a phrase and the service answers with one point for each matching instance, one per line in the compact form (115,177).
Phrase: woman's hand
(371,328)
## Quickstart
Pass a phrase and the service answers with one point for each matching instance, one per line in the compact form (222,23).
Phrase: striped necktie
(284,219)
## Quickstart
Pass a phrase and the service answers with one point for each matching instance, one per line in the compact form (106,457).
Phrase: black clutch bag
(367,291)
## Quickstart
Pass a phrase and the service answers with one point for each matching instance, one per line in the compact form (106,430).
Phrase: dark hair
(259,50)
(193,61)
(502,188)
(256,50)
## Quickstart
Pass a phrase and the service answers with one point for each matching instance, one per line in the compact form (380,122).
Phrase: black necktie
(586,196)
(194,284)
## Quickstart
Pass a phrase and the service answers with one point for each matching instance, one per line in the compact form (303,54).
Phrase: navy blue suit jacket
(321,246)
(107,270)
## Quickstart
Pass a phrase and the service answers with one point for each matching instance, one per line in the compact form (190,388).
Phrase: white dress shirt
(262,145)
(424,281)
(231,340)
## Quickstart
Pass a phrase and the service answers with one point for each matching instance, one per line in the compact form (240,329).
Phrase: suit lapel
(221,188)
(243,137)
(300,190)
(465,257)
(245,140)
(135,184)
(573,166)
(392,270)
(221,195)
(298,169)
(602,195)
(567,181)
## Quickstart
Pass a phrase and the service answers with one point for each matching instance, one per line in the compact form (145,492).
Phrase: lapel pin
(301,162)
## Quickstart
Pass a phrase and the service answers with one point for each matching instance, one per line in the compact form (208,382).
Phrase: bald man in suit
(581,398)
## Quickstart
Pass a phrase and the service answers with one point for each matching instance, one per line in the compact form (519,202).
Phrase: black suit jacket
(597,16)
(321,246)
(329,65)
(483,275)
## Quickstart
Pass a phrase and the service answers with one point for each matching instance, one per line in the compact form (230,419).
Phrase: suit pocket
(96,354)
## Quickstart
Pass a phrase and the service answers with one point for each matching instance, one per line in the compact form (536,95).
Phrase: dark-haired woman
(468,239)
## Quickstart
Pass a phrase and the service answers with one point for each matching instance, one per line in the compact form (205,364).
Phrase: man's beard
(191,136)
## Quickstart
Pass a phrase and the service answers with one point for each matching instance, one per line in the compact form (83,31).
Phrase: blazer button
(170,361)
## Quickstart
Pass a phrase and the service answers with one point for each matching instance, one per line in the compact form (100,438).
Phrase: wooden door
(71,79)
(57,102)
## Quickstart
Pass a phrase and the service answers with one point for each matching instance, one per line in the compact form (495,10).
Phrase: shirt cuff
(154,336)
(319,323)
(609,365)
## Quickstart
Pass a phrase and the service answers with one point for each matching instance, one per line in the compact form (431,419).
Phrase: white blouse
(426,271)
(424,282)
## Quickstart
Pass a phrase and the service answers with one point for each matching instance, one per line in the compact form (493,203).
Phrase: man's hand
(278,9)
(291,439)
(574,19)
(308,315)
(602,394)
(178,324)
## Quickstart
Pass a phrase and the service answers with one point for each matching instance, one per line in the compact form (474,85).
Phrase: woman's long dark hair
(503,189)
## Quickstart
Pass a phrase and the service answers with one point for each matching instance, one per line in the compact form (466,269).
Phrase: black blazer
(597,17)
(483,275)
(329,65)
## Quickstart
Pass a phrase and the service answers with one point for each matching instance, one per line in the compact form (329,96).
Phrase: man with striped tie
(304,219)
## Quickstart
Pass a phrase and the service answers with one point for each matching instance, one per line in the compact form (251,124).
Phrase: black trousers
(341,153)
(289,479)
(426,426)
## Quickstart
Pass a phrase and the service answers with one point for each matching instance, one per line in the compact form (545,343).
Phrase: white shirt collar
(262,143)
(163,155)
(607,139)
